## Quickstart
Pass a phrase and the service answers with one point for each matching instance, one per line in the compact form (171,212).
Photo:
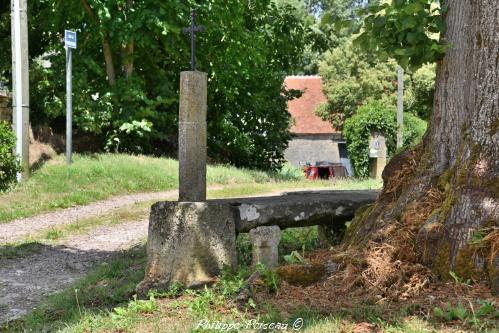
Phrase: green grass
(104,302)
(97,177)
(33,242)
(107,286)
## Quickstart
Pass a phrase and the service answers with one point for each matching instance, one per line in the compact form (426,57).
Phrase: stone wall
(5,109)
(312,148)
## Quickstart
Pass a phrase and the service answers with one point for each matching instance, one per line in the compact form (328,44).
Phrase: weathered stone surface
(188,243)
(302,274)
(378,155)
(191,242)
(265,242)
(192,136)
(299,209)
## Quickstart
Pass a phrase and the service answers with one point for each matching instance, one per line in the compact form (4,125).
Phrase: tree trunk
(445,192)
(106,45)
(128,50)
(128,59)
(108,58)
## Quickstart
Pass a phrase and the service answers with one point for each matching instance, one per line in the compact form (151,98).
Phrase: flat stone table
(191,242)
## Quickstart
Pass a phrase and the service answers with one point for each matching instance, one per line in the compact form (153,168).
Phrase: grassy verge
(104,302)
(98,177)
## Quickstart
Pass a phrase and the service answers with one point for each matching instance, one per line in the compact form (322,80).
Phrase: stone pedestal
(265,241)
(377,155)
(188,243)
(192,136)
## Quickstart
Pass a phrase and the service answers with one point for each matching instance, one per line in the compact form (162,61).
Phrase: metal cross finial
(192,31)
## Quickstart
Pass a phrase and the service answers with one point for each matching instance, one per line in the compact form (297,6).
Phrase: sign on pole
(70,42)
(70,39)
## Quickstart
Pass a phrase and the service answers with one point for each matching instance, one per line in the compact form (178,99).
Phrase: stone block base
(189,243)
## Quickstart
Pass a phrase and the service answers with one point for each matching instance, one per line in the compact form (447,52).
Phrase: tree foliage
(319,18)
(406,30)
(352,79)
(126,72)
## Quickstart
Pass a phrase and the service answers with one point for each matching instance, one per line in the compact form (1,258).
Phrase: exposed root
(388,265)
(399,171)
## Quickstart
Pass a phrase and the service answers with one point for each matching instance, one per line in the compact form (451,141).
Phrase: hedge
(377,116)
(9,165)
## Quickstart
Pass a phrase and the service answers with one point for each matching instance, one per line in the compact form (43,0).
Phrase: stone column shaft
(192,136)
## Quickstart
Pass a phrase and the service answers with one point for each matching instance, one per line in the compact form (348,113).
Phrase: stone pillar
(192,136)
(5,110)
(377,155)
(265,241)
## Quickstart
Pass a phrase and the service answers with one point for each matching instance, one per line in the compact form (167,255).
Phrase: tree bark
(128,59)
(128,50)
(446,190)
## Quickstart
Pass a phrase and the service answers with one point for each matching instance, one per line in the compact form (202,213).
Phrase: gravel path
(23,227)
(25,281)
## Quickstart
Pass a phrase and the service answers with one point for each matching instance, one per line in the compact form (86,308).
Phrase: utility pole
(20,82)
(400,107)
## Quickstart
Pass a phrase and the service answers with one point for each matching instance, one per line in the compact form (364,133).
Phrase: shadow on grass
(104,287)
(12,251)
(44,158)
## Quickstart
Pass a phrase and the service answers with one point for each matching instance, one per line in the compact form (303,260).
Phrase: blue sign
(70,39)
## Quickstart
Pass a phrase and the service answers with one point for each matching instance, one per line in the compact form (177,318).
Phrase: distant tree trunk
(447,189)
(128,59)
(108,58)
(128,50)
(106,46)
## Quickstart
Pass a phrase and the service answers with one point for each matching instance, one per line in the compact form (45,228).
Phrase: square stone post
(265,244)
(378,153)
(192,136)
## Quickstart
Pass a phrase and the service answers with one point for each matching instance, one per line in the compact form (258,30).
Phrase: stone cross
(192,30)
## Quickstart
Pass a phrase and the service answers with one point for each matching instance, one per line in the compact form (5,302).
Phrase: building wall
(312,148)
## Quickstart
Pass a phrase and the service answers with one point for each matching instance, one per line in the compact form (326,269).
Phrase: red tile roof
(303,109)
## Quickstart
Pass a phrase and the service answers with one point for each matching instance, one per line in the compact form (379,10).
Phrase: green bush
(414,129)
(9,165)
(421,91)
(378,116)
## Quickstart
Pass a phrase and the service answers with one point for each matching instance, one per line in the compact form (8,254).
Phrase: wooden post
(400,107)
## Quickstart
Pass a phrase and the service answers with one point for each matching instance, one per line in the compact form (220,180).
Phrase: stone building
(314,140)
